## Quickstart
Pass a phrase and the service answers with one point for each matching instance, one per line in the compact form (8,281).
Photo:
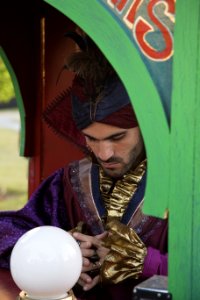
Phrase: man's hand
(90,246)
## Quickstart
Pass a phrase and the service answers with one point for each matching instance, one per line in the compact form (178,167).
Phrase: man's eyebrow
(110,137)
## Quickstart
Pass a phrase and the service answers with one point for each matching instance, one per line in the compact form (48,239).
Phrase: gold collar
(117,195)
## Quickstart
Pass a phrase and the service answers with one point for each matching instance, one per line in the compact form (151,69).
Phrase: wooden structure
(36,51)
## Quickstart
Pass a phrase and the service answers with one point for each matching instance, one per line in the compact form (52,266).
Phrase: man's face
(116,149)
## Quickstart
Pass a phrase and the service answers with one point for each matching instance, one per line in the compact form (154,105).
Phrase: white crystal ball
(46,262)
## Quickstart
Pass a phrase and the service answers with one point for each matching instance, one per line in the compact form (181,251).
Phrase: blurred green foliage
(13,169)
(6,86)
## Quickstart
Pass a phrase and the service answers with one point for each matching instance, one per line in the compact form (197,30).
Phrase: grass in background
(13,172)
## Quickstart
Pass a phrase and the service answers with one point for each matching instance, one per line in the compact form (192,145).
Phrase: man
(99,198)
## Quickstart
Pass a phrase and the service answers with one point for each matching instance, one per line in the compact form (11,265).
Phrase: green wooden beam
(184,237)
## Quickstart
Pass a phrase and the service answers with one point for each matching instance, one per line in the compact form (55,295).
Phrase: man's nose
(105,150)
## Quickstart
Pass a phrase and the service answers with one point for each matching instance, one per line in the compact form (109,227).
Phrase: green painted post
(184,237)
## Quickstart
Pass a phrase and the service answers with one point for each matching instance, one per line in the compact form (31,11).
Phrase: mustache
(110,160)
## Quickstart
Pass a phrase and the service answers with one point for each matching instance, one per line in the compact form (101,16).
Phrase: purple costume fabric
(62,201)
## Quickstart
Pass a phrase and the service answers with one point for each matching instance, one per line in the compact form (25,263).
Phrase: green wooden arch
(18,98)
(100,25)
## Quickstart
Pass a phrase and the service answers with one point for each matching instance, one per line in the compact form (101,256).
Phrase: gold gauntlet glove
(126,256)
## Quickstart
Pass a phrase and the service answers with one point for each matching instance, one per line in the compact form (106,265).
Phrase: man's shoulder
(81,167)
(78,165)
(84,162)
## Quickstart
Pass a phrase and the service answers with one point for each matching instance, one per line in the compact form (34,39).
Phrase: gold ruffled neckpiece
(116,195)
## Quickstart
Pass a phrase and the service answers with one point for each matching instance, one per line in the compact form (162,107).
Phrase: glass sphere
(46,262)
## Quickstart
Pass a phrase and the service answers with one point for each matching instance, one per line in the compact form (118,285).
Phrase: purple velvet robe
(70,195)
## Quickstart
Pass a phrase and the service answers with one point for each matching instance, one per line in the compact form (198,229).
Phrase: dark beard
(133,163)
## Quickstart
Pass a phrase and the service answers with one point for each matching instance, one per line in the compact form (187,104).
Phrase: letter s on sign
(142,28)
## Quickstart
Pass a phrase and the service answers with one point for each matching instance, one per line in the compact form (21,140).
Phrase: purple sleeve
(45,207)
(155,263)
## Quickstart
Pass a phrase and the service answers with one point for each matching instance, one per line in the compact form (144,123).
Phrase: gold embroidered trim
(117,198)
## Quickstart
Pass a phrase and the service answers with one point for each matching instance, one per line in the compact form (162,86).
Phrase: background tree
(6,86)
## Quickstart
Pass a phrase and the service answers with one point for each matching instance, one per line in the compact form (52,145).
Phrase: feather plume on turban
(96,95)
